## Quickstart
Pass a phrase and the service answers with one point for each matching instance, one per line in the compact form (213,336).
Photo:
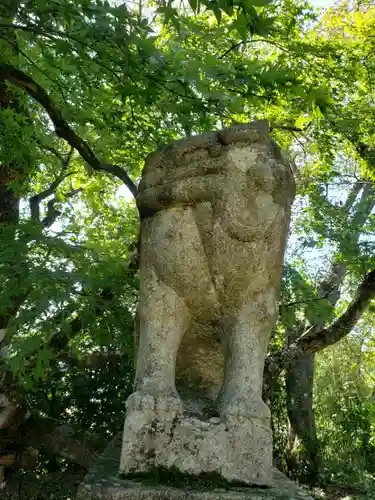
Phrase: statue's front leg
(246,339)
(163,319)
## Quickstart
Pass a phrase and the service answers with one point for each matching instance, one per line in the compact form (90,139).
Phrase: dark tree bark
(303,456)
(10,172)
(303,450)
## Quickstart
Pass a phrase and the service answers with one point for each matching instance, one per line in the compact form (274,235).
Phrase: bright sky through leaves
(322,3)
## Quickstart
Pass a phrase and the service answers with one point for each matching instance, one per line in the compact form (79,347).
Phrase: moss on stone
(174,477)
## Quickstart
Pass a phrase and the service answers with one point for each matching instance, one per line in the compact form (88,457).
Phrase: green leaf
(214,7)
(218,15)
(301,121)
(241,24)
(227,6)
(248,7)
(260,3)
(263,26)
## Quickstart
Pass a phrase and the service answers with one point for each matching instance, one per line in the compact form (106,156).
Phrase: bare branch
(314,342)
(62,128)
(317,337)
(120,174)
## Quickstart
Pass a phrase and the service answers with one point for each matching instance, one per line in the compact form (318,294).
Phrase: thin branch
(304,302)
(246,42)
(345,323)
(232,47)
(32,29)
(51,149)
(62,128)
(51,34)
(35,200)
(290,128)
(48,33)
(120,174)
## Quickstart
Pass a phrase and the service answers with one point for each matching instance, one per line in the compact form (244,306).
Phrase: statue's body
(215,215)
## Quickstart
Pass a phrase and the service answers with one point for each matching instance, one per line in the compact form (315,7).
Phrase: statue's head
(238,161)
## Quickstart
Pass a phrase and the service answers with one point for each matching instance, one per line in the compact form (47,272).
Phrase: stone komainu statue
(215,212)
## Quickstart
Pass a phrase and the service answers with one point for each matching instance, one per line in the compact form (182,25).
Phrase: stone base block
(104,483)
(237,449)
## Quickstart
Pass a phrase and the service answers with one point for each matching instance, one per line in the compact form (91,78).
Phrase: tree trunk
(303,451)
(303,457)
(9,217)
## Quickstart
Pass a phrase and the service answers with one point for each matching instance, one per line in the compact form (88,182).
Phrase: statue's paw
(157,401)
(238,406)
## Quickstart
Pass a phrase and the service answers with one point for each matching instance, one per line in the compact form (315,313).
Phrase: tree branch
(51,149)
(36,199)
(62,128)
(344,324)
(45,434)
(317,339)
(352,196)
(60,440)
(289,128)
(254,40)
(364,207)
(52,212)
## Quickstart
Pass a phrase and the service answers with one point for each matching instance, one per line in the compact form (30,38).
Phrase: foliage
(345,408)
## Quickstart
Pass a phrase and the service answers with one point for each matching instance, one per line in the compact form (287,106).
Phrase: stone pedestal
(235,448)
(104,483)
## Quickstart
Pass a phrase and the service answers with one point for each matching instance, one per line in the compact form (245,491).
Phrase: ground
(47,486)
(63,486)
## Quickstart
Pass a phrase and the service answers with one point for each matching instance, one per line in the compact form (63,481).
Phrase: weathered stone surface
(193,446)
(104,483)
(215,214)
